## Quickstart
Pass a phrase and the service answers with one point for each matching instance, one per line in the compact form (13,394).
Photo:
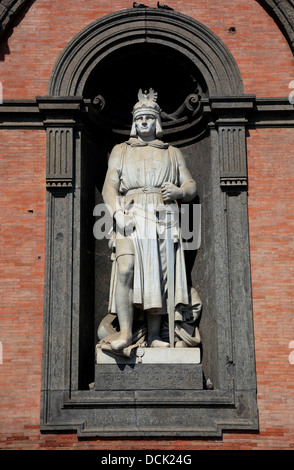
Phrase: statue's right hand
(124,221)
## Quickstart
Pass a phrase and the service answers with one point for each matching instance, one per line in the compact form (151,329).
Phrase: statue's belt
(146,190)
(151,214)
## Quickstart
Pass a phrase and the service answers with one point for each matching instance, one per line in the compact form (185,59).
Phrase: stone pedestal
(156,369)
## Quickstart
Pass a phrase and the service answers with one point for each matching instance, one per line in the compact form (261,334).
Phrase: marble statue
(145,181)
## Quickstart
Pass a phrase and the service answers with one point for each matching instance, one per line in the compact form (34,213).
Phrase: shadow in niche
(118,78)
(175,79)
(190,255)
(94,257)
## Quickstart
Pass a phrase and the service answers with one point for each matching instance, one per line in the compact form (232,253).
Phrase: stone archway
(145,26)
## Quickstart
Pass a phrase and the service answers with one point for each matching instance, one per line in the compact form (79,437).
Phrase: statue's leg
(124,294)
(153,326)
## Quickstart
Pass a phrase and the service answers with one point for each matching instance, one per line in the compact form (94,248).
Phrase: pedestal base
(156,369)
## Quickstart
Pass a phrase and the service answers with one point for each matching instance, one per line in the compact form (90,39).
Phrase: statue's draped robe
(142,169)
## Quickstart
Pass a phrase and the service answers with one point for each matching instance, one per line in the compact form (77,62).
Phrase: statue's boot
(158,343)
(122,342)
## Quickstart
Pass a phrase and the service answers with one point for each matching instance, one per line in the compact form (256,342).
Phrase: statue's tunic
(142,169)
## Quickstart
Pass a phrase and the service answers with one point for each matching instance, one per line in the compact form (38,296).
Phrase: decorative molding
(228,115)
(203,51)
(229,182)
(59,160)
(21,114)
(60,117)
(141,26)
(58,182)
(232,147)
(261,113)
(249,110)
(271,113)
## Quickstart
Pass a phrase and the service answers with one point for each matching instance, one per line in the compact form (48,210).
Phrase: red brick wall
(261,51)
(22,253)
(271,226)
(266,64)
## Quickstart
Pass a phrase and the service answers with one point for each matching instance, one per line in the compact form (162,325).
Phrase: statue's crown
(147,101)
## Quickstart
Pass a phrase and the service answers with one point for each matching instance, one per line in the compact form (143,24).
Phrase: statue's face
(146,125)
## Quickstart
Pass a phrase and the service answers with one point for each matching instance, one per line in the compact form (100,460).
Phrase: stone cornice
(257,112)
(250,110)
(21,114)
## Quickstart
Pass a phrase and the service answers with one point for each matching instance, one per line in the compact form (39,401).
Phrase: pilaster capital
(60,111)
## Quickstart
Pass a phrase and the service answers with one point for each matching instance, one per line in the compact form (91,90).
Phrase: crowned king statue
(150,302)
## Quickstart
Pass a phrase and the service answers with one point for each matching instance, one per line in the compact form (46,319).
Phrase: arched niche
(146,26)
(88,109)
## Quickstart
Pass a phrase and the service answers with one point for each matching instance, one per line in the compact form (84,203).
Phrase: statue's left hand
(171,192)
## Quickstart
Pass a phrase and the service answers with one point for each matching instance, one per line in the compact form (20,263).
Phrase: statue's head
(147,106)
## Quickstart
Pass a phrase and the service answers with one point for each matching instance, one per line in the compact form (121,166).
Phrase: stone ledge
(152,356)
